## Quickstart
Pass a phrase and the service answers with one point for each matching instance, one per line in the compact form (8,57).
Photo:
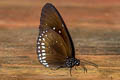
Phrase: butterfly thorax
(71,62)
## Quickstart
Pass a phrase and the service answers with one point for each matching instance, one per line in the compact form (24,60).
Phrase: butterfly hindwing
(51,48)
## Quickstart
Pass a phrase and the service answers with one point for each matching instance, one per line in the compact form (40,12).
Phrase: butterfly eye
(77,64)
(43,31)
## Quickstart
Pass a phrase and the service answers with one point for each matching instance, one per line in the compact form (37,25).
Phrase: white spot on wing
(44,61)
(53,28)
(47,65)
(43,39)
(56,41)
(40,58)
(38,47)
(39,39)
(38,43)
(43,31)
(43,57)
(42,43)
(46,35)
(59,31)
(41,61)
(43,50)
(39,55)
(38,51)
(43,54)
(43,46)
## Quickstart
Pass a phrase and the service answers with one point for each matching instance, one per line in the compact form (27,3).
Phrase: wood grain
(18,60)
(94,27)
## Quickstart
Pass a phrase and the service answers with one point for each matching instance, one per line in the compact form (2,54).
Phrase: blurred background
(93,24)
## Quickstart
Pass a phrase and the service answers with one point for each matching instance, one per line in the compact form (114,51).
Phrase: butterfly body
(55,47)
(71,62)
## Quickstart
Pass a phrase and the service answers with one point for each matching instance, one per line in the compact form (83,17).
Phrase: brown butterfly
(55,47)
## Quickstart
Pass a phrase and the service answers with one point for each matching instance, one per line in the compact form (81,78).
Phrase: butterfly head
(71,62)
(77,62)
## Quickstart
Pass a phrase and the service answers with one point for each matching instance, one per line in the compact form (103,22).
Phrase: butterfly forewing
(50,18)
(51,49)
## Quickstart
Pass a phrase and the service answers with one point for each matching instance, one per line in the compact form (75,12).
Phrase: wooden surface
(18,60)
(94,26)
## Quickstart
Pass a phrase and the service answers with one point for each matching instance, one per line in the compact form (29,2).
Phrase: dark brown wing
(51,49)
(50,18)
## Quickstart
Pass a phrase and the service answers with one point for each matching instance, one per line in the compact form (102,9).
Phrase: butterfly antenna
(85,62)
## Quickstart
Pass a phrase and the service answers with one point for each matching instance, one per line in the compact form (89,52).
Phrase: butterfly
(55,48)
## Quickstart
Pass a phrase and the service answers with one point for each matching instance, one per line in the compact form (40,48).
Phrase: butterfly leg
(85,62)
(70,71)
(75,68)
(85,69)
